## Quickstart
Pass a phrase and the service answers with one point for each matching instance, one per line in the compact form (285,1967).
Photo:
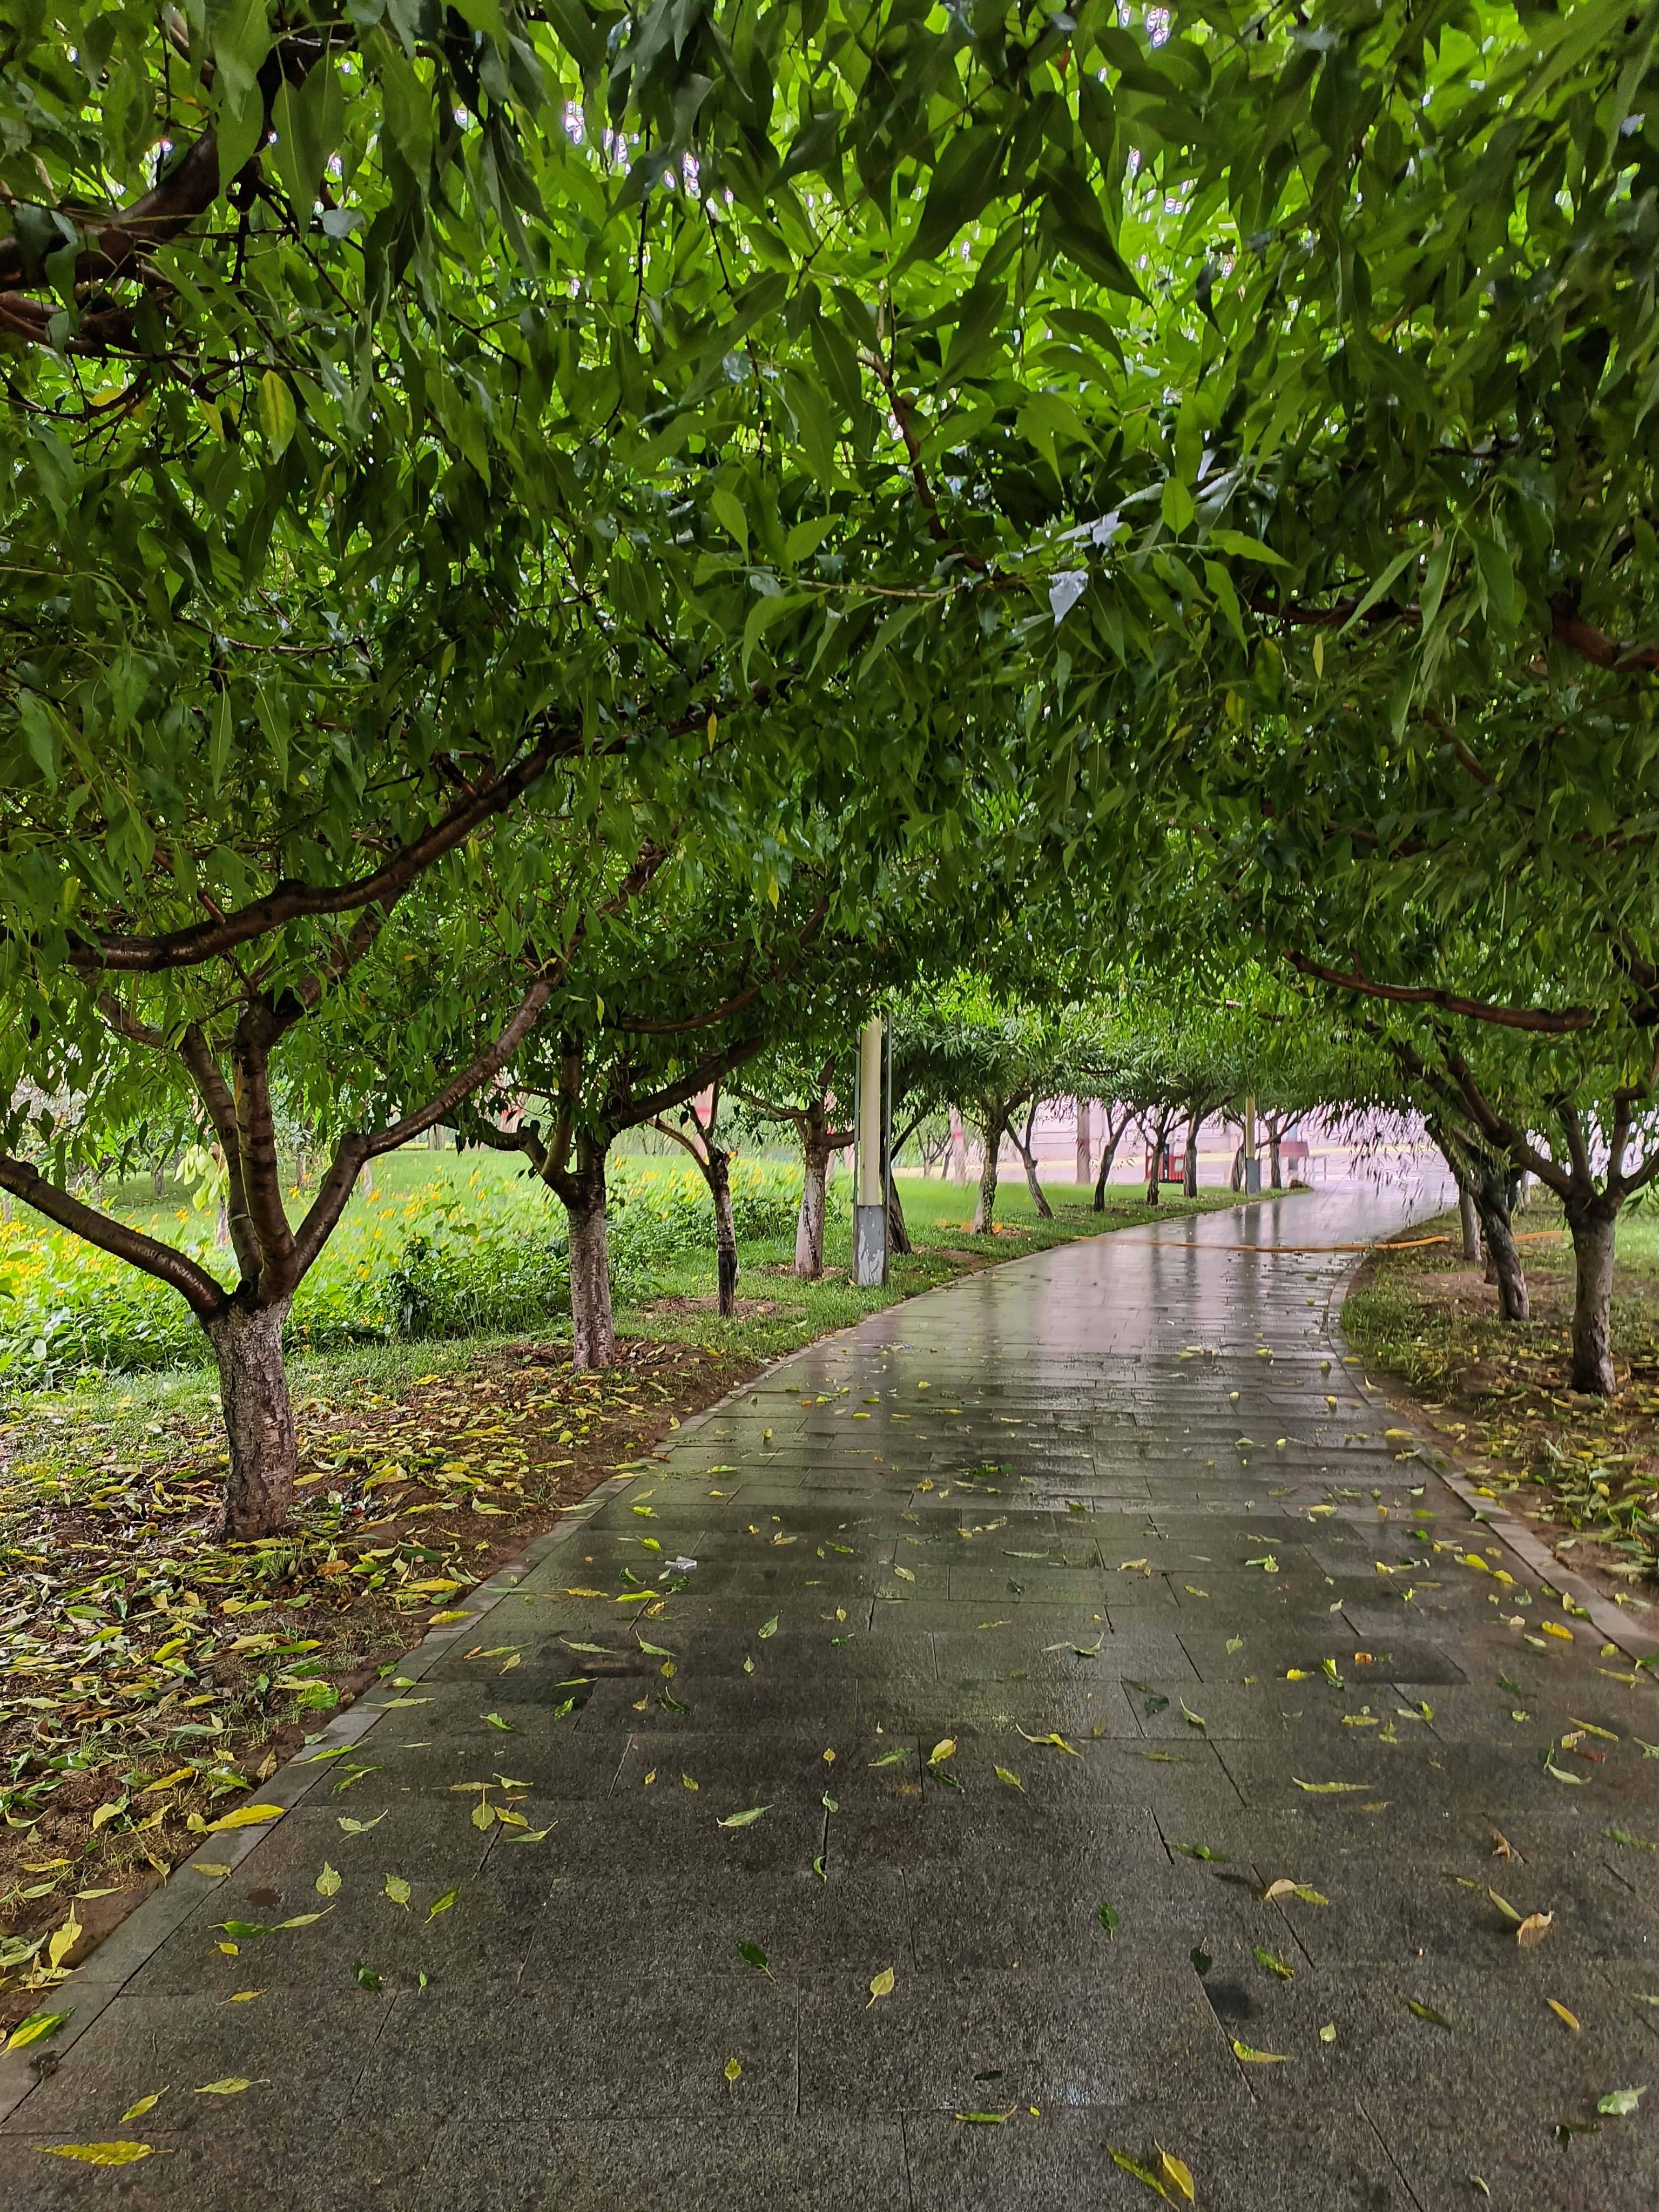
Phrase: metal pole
(870,1211)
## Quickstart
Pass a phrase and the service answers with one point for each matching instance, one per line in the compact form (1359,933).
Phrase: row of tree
(526,534)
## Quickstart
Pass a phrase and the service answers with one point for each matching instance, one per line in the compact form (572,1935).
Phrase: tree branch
(201,1292)
(1548,1021)
(352,1151)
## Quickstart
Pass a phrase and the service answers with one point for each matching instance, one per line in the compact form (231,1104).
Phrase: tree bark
(159,1179)
(1109,1153)
(1490,1190)
(958,1149)
(1593,1233)
(984,1205)
(1189,1165)
(1156,1167)
(1275,1179)
(809,1221)
(259,1418)
(1045,1212)
(1470,1222)
(592,1327)
(898,1229)
(718,1172)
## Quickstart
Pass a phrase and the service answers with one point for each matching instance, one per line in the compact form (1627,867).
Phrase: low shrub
(493,1262)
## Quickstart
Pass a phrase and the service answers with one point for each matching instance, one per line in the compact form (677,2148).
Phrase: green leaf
(36,2028)
(744,1819)
(442,1904)
(1107,1916)
(752,1955)
(277,417)
(1621,2102)
(1428,2012)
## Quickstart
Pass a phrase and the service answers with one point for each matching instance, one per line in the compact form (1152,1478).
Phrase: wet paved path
(1105,1520)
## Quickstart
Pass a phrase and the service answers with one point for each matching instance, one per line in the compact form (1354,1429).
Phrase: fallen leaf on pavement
(99,2153)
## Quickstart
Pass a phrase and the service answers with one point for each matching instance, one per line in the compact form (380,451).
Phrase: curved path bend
(1095,1580)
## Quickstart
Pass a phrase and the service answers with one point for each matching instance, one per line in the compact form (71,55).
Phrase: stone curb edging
(1636,1642)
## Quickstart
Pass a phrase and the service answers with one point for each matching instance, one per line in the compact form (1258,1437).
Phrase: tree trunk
(1593,1233)
(1108,1154)
(1236,1180)
(1045,1212)
(1189,1166)
(222,1227)
(1275,1179)
(1491,1193)
(719,1174)
(809,1221)
(985,1207)
(1470,1221)
(159,1179)
(1157,1169)
(898,1232)
(958,1149)
(259,1418)
(593,1329)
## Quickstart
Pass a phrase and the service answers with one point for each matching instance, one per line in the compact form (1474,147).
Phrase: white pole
(869,1130)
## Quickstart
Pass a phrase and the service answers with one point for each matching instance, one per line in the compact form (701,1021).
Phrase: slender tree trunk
(1236,1180)
(719,1174)
(1470,1223)
(159,1179)
(1156,1167)
(1045,1212)
(1189,1165)
(985,1207)
(1491,1191)
(958,1149)
(259,1418)
(1276,1180)
(1593,1233)
(1109,1153)
(222,1227)
(809,1222)
(592,1327)
(898,1229)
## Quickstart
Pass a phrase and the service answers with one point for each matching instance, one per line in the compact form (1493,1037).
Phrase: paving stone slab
(577,2027)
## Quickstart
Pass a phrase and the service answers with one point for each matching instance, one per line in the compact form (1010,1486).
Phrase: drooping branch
(1548,1021)
(201,1292)
(288,902)
(116,245)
